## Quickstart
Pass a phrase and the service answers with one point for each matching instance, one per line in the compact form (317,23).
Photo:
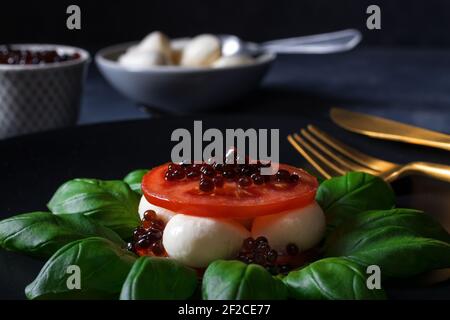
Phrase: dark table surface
(406,84)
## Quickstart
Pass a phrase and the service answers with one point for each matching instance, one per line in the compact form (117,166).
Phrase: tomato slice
(229,201)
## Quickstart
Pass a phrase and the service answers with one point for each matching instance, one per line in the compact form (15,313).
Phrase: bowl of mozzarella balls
(181,75)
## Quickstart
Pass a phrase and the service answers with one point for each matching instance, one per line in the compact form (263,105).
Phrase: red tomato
(229,201)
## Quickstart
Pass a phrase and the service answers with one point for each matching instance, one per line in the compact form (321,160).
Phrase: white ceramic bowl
(180,89)
(41,97)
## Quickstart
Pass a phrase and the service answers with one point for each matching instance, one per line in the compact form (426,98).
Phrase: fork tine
(297,147)
(350,165)
(359,157)
(318,155)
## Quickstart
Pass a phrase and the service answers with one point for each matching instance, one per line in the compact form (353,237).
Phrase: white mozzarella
(201,51)
(162,213)
(142,59)
(197,241)
(231,61)
(156,42)
(304,227)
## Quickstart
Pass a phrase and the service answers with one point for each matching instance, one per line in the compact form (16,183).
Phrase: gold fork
(337,158)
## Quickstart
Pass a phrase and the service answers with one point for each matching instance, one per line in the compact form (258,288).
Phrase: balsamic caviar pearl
(174,166)
(153,236)
(272,256)
(143,243)
(139,231)
(285,268)
(174,175)
(244,182)
(292,249)
(169,177)
(218,181)
(260,240)
(257,179)
(130,246)
(248,244)
(157,248)
(263,247)
(12,56)
(218,167)
(206,185)
(294,178)
(178,174)
(228,174)
(260,259)
(157,224)
(246,170)
(185,164)
(192,174)
(207,170)
(282,175)
(149,215)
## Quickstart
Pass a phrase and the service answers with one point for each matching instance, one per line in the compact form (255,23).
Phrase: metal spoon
(338,41)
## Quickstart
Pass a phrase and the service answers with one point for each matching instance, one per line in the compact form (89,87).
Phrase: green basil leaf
(355,192)
(401,242)
(103,268)
(111,203)
(134,180)
(417,222)
(41,234)
(331,279)
(235,280)
(154,278)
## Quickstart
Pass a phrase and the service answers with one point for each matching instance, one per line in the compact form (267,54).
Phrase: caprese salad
(199,213)
(224,231)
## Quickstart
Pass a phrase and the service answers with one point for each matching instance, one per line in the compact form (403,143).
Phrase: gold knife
(381,128)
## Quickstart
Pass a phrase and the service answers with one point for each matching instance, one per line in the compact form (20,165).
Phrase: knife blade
(381,128)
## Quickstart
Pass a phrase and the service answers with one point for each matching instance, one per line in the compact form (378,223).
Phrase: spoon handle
(338,41)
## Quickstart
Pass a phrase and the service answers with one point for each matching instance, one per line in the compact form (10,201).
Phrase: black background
(421,23)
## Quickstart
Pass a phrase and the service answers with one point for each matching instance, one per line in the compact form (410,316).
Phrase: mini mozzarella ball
(156,42)
(201,51)
(142,59)
(231,61)
(198,241)
(162,213)
(303,227)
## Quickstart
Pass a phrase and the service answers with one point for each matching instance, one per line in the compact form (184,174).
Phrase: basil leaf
(331,279)
(401,242)
(41,234)
(154,278)
(134,180)
(102,264)
(111,203)
(235,280)
(355,192)
(416,221)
